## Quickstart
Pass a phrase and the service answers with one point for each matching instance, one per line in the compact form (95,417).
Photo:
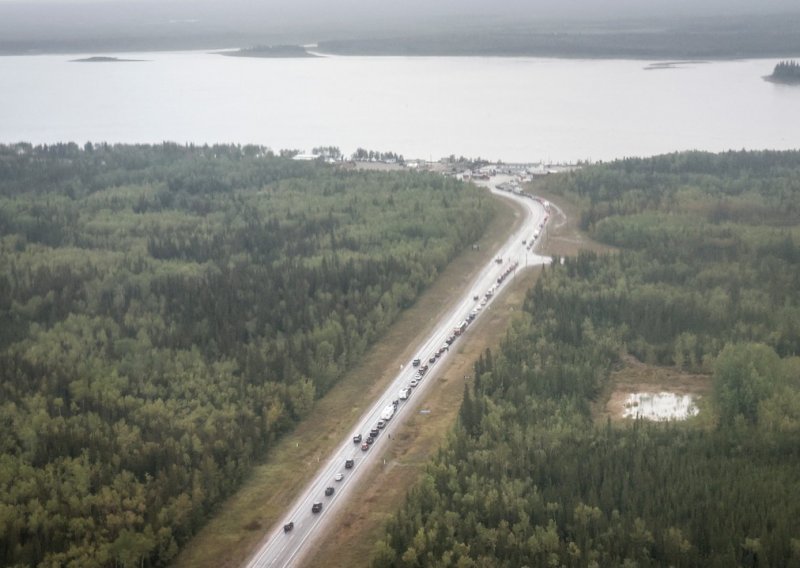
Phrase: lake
(514,109)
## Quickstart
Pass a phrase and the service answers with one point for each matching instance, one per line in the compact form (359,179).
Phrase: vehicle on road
(405,393)
(432,360)
(381,424)
(338,477)
(288,526)
(357,438)
(364,447)
(416,362)
(476,297)
(370,440)
(328,491)
(348,464)
(316,507)
(388,412)
(374,433)
(413,383)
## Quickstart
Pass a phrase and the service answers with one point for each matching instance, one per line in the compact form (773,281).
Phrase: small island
(100,59)
(787,72)
(276,51)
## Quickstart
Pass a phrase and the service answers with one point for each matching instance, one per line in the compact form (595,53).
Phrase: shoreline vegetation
(786,73)
(270,51)
(666,39)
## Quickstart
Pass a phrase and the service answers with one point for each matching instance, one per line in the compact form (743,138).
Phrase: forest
(705,279)
(786,72)
(168,311)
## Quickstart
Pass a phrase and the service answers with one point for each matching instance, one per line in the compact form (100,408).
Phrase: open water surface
(515,109)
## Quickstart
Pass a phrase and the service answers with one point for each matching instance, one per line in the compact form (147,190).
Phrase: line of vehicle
(274,550)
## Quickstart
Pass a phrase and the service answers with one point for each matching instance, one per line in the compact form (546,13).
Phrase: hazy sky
(301,21)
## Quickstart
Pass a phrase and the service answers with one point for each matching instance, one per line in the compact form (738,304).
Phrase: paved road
(282,549)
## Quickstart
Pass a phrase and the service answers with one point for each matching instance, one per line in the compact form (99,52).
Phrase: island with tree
(103,59)
(270,51)
(787,72)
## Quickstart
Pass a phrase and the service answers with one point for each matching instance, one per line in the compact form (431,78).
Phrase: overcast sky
(312,20)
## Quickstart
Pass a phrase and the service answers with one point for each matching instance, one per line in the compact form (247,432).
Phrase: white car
(413,383)
(339,476)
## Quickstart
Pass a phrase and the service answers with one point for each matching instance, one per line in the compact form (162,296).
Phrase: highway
(284,549)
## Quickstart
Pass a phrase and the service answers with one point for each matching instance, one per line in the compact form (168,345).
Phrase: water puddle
(659,407)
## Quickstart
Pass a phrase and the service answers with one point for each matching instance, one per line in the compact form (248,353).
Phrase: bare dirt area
(637,377)
(233,533)
(361,523)
(563,237)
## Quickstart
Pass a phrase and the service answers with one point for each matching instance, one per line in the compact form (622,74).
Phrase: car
(364,447)
(432,360)
(381,424)
(348,464)
(416,362)
(328,491)
(476,297)
(370,440)
(413,383)
(288,526)
(405,393)
(357,438)
(374,433)
(417,375)
(316,507)
(338,477)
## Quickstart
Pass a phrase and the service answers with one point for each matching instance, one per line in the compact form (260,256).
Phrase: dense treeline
(707,278)
(167,311)
(715,38)
(786,71)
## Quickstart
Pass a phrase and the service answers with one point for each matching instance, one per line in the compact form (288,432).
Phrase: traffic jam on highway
(423,366)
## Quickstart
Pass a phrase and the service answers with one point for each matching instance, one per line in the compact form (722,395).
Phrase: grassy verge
(232,534)
(563,236)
